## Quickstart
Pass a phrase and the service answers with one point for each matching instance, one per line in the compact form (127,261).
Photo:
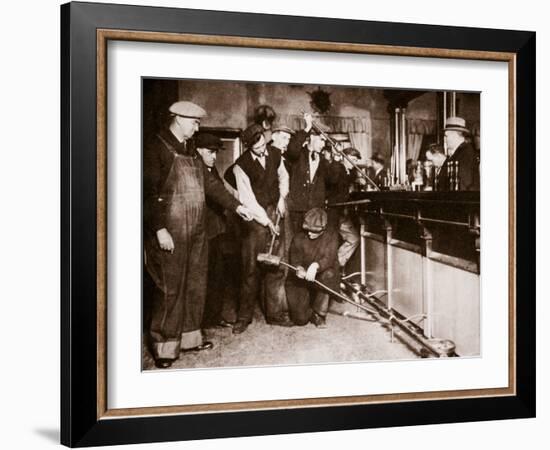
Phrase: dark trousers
(178,298)
(222,283)
(304,297)
(256,240)
(296,221)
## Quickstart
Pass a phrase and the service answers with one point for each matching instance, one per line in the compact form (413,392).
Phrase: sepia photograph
(271,224)
(297,224)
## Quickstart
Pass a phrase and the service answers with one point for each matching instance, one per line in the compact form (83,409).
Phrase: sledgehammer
(273,260)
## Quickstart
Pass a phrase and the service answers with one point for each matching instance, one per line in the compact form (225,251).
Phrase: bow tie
(313,156)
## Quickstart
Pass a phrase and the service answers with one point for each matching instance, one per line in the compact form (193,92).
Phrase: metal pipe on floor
(438,347)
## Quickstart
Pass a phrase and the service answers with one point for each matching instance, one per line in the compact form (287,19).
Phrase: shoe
(220,324)
(318,320)
(206,345)
(240,326)
(163,363)
(281,322)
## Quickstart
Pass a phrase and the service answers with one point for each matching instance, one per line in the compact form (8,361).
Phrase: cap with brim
(209,141)
(456,124)
(187,109)
(315,220)
(283,129)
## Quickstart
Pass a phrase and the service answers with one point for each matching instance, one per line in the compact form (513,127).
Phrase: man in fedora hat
(461,151)
(175,187)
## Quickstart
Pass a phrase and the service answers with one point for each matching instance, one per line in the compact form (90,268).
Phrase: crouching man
(314,251)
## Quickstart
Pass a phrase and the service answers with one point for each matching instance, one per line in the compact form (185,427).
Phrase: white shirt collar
(256,157)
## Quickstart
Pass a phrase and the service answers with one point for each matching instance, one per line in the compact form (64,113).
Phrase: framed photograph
(273,224)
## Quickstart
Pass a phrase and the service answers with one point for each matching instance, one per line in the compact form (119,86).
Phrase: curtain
(362,142)
(416,130)
(414,144)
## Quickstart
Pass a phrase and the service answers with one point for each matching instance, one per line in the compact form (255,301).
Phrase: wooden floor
(344,340)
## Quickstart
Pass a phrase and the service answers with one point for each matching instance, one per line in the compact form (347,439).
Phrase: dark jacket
(158,156)
(287,164)
(323,251)
(305,194)
(215,213)
(468,169)
(339,183)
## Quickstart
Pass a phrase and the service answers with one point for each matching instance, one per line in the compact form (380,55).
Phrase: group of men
(281,188)
(282,184)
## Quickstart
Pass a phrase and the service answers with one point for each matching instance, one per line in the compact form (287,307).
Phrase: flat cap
(209,141)
(251,135)
(315,220)
(283,129)
(187,109)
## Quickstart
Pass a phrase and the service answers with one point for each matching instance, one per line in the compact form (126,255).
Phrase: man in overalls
(175,187)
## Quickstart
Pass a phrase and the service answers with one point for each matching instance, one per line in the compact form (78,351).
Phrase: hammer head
(268,259)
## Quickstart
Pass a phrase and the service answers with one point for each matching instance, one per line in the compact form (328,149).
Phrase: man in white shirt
(262,183)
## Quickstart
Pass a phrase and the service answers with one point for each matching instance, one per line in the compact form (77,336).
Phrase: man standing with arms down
(461,152)
(175,186)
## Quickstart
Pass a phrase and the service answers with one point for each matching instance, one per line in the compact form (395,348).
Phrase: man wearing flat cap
(314,252)
(175,187)
(280,137)
(461,154)
(261,180)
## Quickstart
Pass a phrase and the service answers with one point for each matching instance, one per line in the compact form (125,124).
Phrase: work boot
(164,363)
(282,321)
(318,320)
(225,324)
(206,345)
(240,326)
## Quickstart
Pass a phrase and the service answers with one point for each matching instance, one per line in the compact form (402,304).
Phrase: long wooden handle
(277,220)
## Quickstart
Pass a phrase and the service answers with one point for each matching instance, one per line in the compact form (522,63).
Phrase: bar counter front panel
(422,248)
